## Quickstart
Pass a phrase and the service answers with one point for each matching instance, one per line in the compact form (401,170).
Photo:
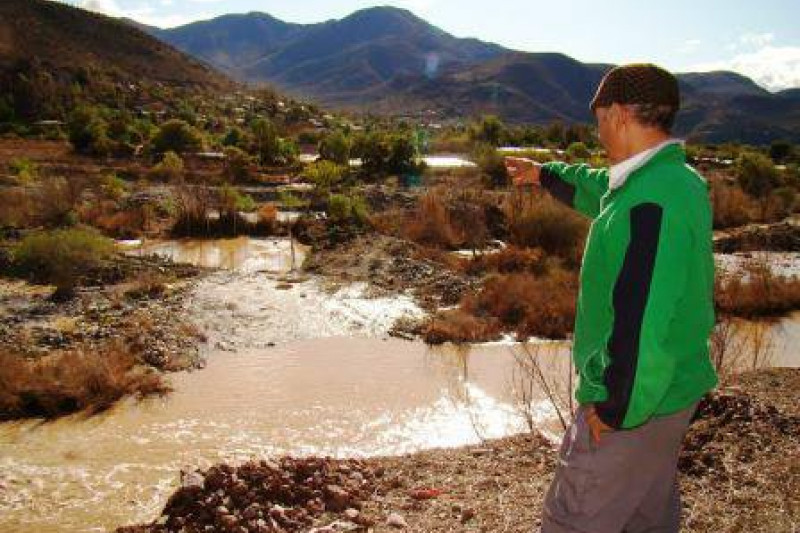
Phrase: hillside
(52,54)
(330,61)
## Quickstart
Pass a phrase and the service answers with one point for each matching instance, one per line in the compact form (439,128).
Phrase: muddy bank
(107,342)
(391,266)
(738,473)
(779,237)
(143,309)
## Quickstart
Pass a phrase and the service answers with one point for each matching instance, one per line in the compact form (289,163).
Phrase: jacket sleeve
(577,186)
(647,291)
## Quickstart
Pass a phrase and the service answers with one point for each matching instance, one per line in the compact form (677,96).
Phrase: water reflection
(244,254)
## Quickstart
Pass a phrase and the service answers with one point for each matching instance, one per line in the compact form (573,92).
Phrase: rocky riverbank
(144,309)
(109,340)
(738,473)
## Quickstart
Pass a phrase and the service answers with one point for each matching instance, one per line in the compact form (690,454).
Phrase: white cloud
(689,46)
(773,67)
(106,7)
(756,40)
(153,18)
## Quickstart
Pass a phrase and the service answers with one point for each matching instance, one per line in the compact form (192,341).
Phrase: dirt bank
(738,473)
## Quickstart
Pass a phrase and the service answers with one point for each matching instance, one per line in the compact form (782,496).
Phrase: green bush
(88,132)
(335,147)
(113,186)
(325,175)
(169,169)
(383,154)
(492,166)
(176,136)
(347,209)
(578,151)
(237,165)
(491,130)
(756,174)
(25,170)
(62,257)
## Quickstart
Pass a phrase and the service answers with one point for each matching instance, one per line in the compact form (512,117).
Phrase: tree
(492,165)
(177,136)
(756,174)
(491,130)
(88,132)
(374,151)
(577,151)
(237,165)
(402,155)
(335,147)
(234,137)
(780,150)
(266,143)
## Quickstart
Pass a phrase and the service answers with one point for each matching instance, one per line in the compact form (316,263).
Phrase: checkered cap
(639,83)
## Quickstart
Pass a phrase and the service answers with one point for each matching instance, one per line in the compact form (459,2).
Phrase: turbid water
(300,368)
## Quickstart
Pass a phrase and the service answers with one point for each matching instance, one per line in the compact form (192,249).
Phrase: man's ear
(621,115)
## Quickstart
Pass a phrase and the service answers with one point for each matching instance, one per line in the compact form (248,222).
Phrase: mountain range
(381,59)
(388,60)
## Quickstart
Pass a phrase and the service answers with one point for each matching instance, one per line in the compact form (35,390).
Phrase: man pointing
(644,312)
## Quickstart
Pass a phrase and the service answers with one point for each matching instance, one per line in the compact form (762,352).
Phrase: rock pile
(292,494)
(732,429)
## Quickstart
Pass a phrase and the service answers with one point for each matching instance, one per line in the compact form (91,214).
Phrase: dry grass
(538,221)
(440,220)
(458,326)
(523,303)
(431,224)
(72,381)
(757,292)
(510,260)
(731,205)
(17,208)
(527,304)
(148,285)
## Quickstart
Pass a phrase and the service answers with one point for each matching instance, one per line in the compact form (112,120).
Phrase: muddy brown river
(304,370)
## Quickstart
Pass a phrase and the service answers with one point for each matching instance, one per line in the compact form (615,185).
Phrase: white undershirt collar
(618,174)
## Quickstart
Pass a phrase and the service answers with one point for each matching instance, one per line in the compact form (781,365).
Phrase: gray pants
(626,484)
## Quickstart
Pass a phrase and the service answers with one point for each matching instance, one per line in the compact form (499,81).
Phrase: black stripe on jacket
(561,190)
(631,291)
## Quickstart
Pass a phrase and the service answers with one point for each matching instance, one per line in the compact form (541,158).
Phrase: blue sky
(760,39)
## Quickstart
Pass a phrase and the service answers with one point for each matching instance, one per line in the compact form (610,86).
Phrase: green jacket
(645,308)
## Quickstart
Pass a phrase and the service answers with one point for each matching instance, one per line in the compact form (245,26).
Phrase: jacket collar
(618,174)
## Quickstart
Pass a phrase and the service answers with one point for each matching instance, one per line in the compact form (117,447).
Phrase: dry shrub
(194,204)
(267,219)
(268,213)
(73,381)
(431,224)
(17,208)
(458,326)
(510,260)
(149,285)
(531,305)
(388,222)
(441,257)
(541,222)
(731,205)
(757,292)
(57,199)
